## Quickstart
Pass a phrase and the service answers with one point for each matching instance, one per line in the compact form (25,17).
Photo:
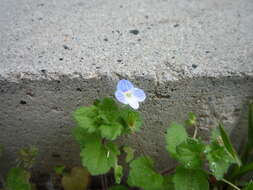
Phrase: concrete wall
(39,112)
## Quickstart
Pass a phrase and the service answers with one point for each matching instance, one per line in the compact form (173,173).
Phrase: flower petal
(120,97)
(139,94)
(124,85)
(133,103)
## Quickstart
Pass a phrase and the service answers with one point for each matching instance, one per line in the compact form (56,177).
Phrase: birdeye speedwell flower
(126,93)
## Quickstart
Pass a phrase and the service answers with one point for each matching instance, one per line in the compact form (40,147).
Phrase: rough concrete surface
(188,55)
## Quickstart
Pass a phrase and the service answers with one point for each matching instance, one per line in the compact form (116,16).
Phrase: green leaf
(85,118)
(59,169)
(96,102)
(192,119)
(143,175)
(248,148)
(219,159)
(108,110)
(111,131)
(118,187)
(176,134)
(243,170)
(229,145)
(18,179)
(190,179)
(118,173)
(78,179)
(249,186)
(27,156)
(82,136)
(129,153)
(97,157)
(168,183)
(190,153)
(131,119)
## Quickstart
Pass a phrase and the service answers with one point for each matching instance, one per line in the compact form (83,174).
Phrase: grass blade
(228,145)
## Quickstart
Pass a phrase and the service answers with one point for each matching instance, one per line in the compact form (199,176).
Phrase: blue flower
(127,94)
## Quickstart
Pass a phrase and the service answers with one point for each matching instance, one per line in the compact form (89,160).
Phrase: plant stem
(168,171)
(231,184)
(195,132)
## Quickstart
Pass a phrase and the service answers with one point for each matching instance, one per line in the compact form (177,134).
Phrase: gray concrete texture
(188,55)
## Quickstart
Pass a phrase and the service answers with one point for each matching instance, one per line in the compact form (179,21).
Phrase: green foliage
(244,169)
(18,179)
(176,134)
(248,149)
(190,153)
(86,118)
(249,186)
(111,131)
(190,179)
(118,173)
(99,157)
(82,136)
(192,119)
(96,127)
(118,187)
(108,110)
(131,119)
(219,159)
(129,153)
(77,179)
(228,145)
(59,170)
(247,152)
(107,119)
(27,157)
(168,183)
(143,175)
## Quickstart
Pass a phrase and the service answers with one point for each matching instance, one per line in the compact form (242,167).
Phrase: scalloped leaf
(99,158)
(189,179)
(176,134)
(143,175)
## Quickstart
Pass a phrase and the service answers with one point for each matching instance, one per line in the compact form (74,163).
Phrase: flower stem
(231,184)
(195,132)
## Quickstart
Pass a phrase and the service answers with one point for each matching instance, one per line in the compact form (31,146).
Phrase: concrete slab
(188,55)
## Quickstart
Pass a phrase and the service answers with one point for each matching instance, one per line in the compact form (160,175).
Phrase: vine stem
(231,184)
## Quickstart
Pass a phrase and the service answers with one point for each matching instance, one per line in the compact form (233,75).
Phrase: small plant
(18,178)
(201,166)
(99,125)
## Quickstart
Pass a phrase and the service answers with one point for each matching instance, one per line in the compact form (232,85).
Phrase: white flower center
(128,94)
